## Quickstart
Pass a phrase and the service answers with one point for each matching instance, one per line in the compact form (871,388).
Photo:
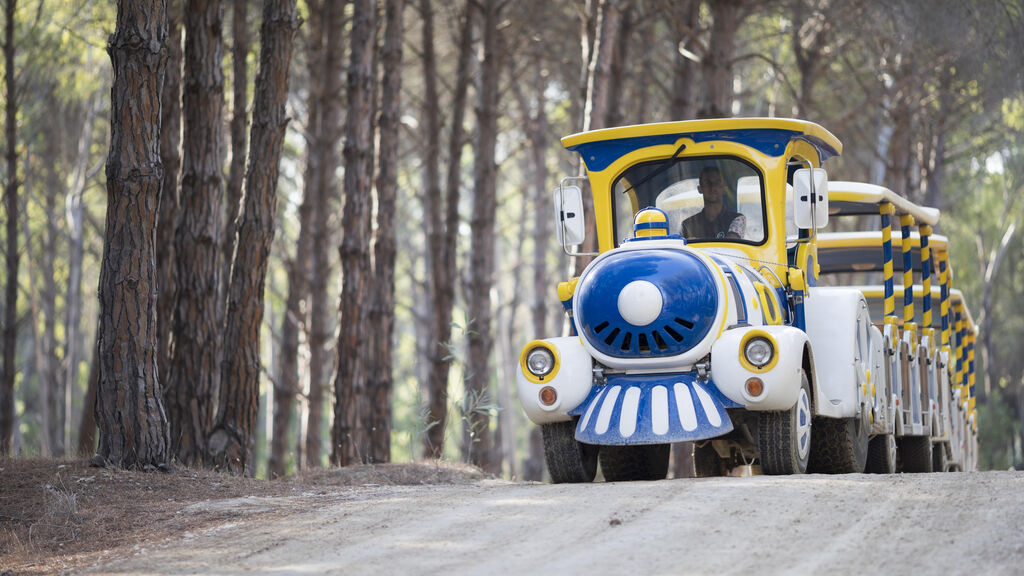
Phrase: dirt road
(854,524)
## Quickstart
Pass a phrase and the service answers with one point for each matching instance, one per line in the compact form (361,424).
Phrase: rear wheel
(939,461)
(882,455)
(784,438)
(915,454)
(624,463)
(569,461)
(840,446)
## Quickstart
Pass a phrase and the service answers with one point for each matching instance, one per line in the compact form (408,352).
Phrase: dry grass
(57,515)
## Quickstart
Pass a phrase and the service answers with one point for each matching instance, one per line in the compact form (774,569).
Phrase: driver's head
(711,184)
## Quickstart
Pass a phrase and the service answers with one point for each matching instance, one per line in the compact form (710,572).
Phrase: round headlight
(540,361)
(758,351)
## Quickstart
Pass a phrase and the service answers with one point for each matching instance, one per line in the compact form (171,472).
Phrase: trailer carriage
(728,340)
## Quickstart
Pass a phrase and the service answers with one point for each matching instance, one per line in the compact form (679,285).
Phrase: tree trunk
(443,234)
(239,101)
(129,410)
(810,50)
(349,437)
(478,441)
(56,407)
(322,309)
(716,66)
(195,370)
(382,311)
(620,68)
(684,70)
(296,315)
(430,119)
(170,155)
(74,210)
(533,468)
(595,109)
(11,203)
(231,443)
(38,305)
(87,424)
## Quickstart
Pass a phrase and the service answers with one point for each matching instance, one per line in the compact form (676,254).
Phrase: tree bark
(322,312)
(170,156)
(195,370)
(478,441)
(11,204)
(382,311)
(430,119)
(349,436)
(129,411)
(443,234)
(232,440)
(240,98)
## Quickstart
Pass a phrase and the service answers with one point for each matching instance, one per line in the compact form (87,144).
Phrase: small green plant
(474,407)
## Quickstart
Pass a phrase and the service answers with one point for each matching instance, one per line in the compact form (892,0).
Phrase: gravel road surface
(854,524)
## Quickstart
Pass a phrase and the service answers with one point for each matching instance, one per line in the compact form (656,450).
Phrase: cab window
(707,199)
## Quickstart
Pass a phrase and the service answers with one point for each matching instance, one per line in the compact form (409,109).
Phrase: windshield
(707,199)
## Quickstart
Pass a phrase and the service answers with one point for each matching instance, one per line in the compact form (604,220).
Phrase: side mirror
(810,198)
(569,225)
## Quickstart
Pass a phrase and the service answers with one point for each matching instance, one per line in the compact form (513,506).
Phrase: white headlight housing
(540,361)
(759,351)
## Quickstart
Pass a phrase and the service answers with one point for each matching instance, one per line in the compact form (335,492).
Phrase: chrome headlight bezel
(759,351)
(540,361)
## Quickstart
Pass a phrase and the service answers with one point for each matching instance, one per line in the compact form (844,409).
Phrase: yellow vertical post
(886,210)
(906,221)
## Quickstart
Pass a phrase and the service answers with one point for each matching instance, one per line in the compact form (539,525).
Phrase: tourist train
(720,309)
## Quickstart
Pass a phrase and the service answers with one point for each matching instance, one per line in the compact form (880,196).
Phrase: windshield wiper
(666,166)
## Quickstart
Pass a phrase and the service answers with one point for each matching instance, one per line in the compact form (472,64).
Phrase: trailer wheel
(840,446)
(624,463)
(882,455)
(568,461)
(915,454)
(939,461)
(784,438)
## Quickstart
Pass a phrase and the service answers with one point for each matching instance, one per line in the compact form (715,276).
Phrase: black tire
(939,461)
(706,462)
(625,463)
(840,446)
(568,461)
(915,454)
(882,455)
(784,438)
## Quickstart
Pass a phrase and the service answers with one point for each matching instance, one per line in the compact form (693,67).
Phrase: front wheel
(569,461)
(939,460)
(882,455)
(784,438)
(840,446)
(915,454)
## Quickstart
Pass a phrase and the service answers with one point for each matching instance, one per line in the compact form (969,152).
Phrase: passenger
(714,221)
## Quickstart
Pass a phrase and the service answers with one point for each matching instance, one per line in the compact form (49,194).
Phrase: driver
(715,220)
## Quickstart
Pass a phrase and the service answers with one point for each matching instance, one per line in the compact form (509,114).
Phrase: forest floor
(449,519)
(58,516)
